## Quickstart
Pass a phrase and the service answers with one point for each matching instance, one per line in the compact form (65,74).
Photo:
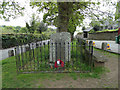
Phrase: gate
(35,57)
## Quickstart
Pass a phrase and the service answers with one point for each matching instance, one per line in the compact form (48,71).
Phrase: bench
(99,59)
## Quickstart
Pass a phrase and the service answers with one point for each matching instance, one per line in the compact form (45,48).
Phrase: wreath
(59,63)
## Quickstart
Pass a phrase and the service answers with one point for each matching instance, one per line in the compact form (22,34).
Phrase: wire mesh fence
(35,57)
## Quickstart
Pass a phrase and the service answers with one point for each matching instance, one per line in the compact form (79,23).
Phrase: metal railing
(37,57)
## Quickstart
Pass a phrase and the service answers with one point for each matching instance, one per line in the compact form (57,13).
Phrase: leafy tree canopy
(23,30)
(117,14)
(42,27)
(64,15)
(83,28)
(10,9)
(32,27)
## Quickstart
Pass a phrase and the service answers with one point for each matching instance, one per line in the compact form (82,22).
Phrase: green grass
(10,79)
(106,52)
(41,86)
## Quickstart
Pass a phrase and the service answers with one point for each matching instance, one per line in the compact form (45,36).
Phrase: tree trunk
(64,11)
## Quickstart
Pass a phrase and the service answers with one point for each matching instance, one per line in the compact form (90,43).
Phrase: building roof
(88,29)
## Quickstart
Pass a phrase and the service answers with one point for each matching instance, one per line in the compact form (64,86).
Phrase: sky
(20,21)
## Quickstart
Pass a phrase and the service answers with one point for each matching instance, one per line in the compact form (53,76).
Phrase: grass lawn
(106,52)
(10,79)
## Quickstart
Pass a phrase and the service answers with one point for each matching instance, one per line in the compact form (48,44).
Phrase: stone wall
(102,36)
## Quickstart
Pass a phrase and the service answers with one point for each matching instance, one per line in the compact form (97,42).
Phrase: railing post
(16,60)
(48,55)
(37,45)
(91,52)
(76,53)
(52,50)
(19,61)
(30,55)
(26,56)
(44,54)
(22,55)
(41,53)
(64,56)
(60,50)
(92,58)
(68,53)
(72,55)
(33,54)
(56,50)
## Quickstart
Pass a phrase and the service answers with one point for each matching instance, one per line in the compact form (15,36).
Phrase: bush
(11,40)
(96,28)
(92,31)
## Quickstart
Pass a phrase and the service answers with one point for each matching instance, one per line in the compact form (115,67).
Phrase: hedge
(103,31)
(11,40)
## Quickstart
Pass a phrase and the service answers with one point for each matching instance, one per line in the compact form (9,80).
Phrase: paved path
(113,45)
(4,52)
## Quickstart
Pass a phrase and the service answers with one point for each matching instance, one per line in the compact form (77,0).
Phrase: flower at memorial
(59,63)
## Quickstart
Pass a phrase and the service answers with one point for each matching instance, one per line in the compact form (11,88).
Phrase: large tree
(33,25)
(42,27)
(67,15)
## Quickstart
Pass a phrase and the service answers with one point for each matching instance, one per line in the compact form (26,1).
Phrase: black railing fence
(37,57)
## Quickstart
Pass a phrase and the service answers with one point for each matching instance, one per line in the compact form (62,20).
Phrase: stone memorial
(10,53)
(27,48)
(59,47)
(104,46)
